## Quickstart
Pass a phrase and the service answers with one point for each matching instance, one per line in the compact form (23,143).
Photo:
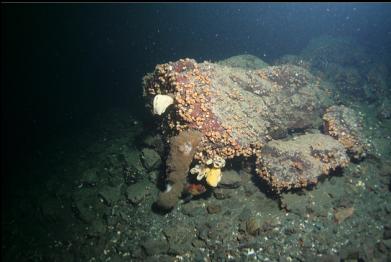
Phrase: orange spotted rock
(238,110)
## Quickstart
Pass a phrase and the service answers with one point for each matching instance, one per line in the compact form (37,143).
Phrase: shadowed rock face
(239,110)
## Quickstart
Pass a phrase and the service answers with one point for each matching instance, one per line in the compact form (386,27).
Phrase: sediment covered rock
(345,125)
(301,161)
(150,159)
(230,179)
(244,61)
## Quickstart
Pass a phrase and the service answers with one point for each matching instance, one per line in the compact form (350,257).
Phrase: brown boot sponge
(182,150)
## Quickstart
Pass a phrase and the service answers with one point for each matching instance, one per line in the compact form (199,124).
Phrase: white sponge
(160,103)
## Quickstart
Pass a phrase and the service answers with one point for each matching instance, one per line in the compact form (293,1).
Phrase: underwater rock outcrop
(237,112)
(244,61)
(182,150)
(301,161)
(345,125)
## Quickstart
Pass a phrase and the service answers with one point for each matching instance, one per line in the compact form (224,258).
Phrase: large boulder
(237,110)
(242,112)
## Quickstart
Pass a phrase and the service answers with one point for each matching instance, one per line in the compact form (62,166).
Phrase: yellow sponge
(213,176)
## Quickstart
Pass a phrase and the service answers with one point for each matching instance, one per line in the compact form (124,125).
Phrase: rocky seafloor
(91,198)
